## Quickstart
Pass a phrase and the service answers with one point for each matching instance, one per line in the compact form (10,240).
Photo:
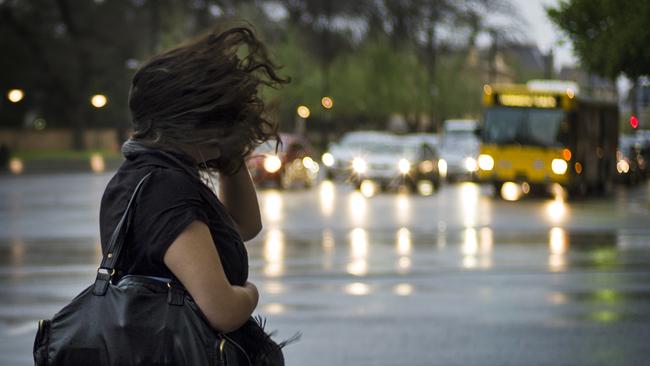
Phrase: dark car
(292,165)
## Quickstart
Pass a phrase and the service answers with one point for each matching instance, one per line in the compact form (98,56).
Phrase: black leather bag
(137,321)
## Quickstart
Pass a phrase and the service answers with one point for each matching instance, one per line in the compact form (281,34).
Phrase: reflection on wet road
(454,278)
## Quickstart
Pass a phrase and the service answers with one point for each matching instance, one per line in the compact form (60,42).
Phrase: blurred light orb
(16,166)
(425,188)
(40,124)
(97,164)
(622,166)
(559,166)
(303,112)
(470,164)
(359,165)
(442,167)
(98,100)
(368,188)
(485,162)
(510,191)
(404,166)
(272,163)
(328,159)
(327,102)
(15,95)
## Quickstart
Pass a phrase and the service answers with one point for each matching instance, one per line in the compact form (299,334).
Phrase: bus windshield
(525,126)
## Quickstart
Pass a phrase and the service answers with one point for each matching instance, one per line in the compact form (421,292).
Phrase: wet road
(456,278)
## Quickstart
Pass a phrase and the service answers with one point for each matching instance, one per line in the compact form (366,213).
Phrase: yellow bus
(544,133)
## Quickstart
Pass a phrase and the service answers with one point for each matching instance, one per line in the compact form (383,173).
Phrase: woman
(197,108)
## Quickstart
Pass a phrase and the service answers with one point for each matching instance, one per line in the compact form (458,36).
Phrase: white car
(338,159)
(459,148)
(402,161)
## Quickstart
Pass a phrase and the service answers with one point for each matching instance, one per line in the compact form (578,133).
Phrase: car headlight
(623,166)
(359,165)
(310,164)
(272,163)
(485,162)
(442,167)
(559,166)
(404,166)
(328,159)
(470,164)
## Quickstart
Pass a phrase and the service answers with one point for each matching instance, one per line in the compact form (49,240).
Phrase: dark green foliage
(610,37)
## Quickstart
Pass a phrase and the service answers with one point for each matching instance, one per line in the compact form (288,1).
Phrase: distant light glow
(274,253)
(442,167)
(272,206)
(358,265)
(98,100)
(470,164)
(578,168)
(404,166)
(16,166)
(274,308)
(559,166)
(403,289)
(15,95)
(487,89)
(556,210)
(368,188)
(327,195)
(425,188)
(634,121)
(97,164)
(328,159)
(272,163)
(485,162)
(357,289)
(566,154)
(623,167)
(327,102)
(359,165)
(511,191)
(303,111)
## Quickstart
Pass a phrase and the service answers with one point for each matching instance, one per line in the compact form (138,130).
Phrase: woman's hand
(238,195)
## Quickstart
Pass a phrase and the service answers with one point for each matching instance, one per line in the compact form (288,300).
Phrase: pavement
(455,278)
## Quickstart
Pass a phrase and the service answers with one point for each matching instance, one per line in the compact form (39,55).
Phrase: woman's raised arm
(194,260)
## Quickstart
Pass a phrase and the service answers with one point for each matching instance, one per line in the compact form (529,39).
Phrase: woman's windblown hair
(206,94)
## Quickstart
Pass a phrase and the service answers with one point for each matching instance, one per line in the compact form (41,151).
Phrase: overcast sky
(543,32)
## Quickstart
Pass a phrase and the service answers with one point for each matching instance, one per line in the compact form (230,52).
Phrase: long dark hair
(206,93)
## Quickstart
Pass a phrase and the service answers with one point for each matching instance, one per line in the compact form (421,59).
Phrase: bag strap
(106,269)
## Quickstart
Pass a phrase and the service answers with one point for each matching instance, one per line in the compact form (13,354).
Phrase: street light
(98,100)
(303,112)
(15,95)
(327,102)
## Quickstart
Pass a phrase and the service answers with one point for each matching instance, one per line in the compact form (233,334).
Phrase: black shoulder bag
(138,321)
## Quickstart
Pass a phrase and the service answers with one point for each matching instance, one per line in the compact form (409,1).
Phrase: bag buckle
(103,279)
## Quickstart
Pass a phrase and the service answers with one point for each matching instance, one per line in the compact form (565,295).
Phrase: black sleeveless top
(172,198)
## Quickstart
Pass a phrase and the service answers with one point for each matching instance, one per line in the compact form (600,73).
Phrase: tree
(610,37)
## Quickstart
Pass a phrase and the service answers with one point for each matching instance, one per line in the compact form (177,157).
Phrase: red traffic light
(634,122)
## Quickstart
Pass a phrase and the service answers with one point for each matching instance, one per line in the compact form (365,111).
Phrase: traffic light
(634,121)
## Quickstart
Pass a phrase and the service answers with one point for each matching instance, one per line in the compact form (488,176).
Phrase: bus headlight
(470,164)
(272,163)
(328,159)
(485,162)
(359,166)
(559,166)
(404,166)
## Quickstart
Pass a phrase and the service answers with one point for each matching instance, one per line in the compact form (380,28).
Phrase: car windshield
(524,126)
